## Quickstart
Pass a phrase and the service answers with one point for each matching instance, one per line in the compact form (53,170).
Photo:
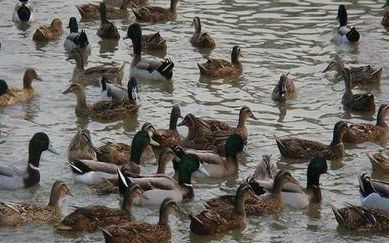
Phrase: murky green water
(275,36)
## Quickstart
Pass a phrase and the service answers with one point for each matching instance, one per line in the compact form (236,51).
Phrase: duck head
(342,15)
(165,157)
(234,145)
(73,25)
(281,178)
(317,166)
(139,143)
(29,75)
(282,87)
(235,54)
(134,32)
(168,206)
(174,115)
(383,112)
(340,129)
(56,24)
(58,191)
(197,25)
(4,88)
(132,89)
(188,164)
(74,88)
(147,127)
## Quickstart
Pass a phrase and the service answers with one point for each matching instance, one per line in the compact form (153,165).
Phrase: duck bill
(182,123)
(67,91)
(246,151)
(329,67)
(51,149)
(202,170)
(39,78)
(69,193)
(253,117)
(154,143)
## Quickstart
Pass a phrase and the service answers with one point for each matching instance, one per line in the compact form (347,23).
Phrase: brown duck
(363,132)
(49,33)
(90,11)
(220,68)
(285,89)
(211,221)
(385,19)
(356,102)
(380,161)
(362,219)
(156,14)
(169,137)
(269,203)
(199,39)
(17,214)
(144,232)
(297,148)
(107,30)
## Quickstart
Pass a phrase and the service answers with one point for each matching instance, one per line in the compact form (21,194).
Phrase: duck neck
(173,5)
(381,119)
(27,80)
(232,160)
(313,186)
(136,154)
(163,217)
(277,188)
(197,25)
(103,16)
(33,175)
(235,58)
(54,199)
(137,45)
(81,106)
(127,202)
(242,120)
(336,139)
(239,205)
(161,165)
(173,122)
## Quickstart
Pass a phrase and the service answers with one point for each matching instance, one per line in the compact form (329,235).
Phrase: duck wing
(92,165)
(155,182)
(207,156)
(381,187)
(9,171)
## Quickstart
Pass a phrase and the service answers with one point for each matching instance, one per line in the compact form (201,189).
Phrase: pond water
(275,37)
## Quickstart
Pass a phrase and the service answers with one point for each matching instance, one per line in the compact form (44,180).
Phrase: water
(275,37)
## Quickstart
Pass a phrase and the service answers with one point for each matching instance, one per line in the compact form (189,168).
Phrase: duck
(211,221)
(201,40)
(144,232)
(24,12)
(17,95)
(166,156)
(120,153)
(219,166)
(49,33)
(293,195)
(12,178)
(265,170)
(362,219)
(107,30)
(220,68)
(268,203)
(361,75)
(346,33)
(159,187)
(94,75)
(285,89)
(113,92)
(19,213)
(379,161)
(152,42)
(93,172)
(81,147)
(363,132)
(102,111)
(77,40)
(374,193)
(385,19)
(156,14)
(356,102)
(151,69)
(118,3)
(90,11)
(303,149)
(211,134)
(92,218)
(169,137)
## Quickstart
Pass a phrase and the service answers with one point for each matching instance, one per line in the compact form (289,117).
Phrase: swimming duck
(210,222)
(81,146)
(362,219)
(93,172)
(220,68)
(211,134)
(156,14)
(346,33)
(362,75)
(152,42)
(269,203)
(295,196)
(356,102)
(107,30)
(49,33)
(91,218)
(114,92)
(266,169)
(374,193)
(93,75)
(297,148)
(363,132)
(77,40)
(103,111)
(284,89)
(219,166)
(142,68)
(19,213)
(144,232)
(169,137)
(202,40)
(379,161)
(12,178)
(23,12)
(17,95)
(90,11)
(120,153)
(385,19)
(159,187)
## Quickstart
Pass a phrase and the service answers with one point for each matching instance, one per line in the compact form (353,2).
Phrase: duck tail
(365,187)
(203,70)
(376,74)
(39,35)
(107,236)
(166,68)
(280,145)
(338,216)
(81,11)
(373,160)
(194,220)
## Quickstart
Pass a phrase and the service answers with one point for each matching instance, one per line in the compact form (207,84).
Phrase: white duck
(374,193)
